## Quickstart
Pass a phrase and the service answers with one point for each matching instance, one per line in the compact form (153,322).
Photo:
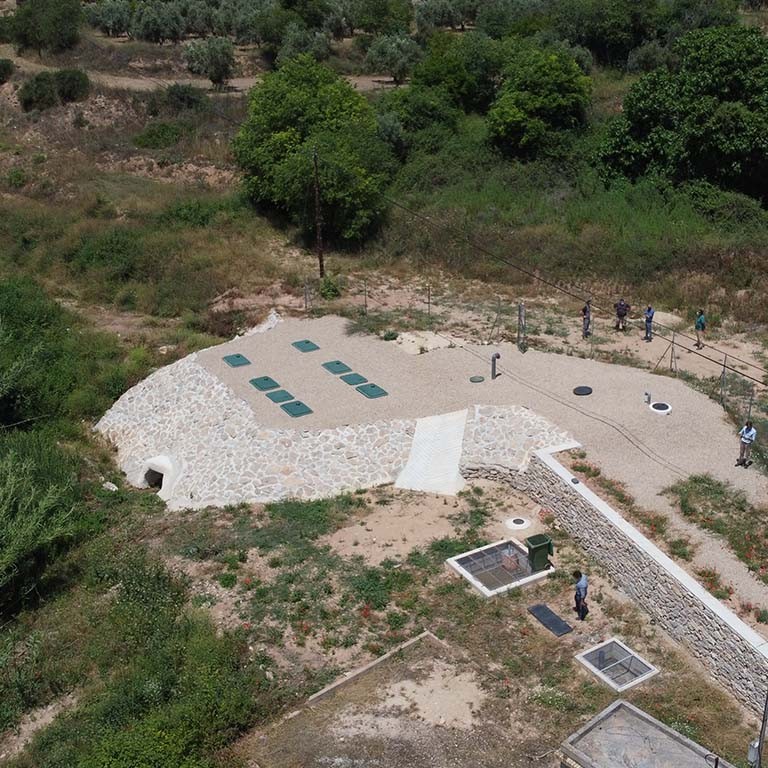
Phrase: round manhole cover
(661,407)
(516,523)
(582,391)
(476,379)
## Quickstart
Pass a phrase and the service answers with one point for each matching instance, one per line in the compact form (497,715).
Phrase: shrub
(649,56)
(300,110)
(181,96)
(116,253)
(158,23)
(160,135)
(39,92)
(7,69)
(394,54)
(72,84)
(213,57)
(499,18)
(329,288)
(17,178)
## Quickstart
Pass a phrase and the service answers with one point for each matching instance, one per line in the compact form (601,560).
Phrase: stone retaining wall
(733,652)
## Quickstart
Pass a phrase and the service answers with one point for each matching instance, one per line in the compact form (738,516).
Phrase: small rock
(109,486)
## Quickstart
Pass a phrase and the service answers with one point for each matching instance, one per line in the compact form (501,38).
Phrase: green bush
(17,178)
(112,17)
(180,96)
(72,85)
(7,69)
(117,254)
(160,135)
(297,40)
(39,92)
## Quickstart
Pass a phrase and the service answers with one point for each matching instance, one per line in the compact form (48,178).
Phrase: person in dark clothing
(586,319)
(622,310)
(580,597)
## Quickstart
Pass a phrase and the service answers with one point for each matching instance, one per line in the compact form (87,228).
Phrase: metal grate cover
(264,383)
(305,345)
(372,391)
(337,367)
(296,409)
(280,396)
(617,665)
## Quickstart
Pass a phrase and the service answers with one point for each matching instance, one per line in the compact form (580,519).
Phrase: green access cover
(264,383)
(305,345)
(235,361)
(296,408)
(280,396)
(354,379)
(372,391)
(336,366)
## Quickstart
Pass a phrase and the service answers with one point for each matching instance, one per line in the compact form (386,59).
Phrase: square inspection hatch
(336,366)
(353,378)
(235,361)
(372,391)
(617,665)
(296,408)
(280,396)
(264,383)
(305,345)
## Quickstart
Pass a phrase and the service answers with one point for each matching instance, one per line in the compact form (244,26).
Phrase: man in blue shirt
(648,315)
(581,595)
(747,435)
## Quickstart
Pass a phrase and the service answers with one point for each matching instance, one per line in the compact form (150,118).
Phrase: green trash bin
(540,549)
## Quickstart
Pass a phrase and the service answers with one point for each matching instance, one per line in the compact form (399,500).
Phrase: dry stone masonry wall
(733,652)
(224,456)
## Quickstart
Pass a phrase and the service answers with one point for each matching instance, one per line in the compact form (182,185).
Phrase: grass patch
(724,510)
(160,135)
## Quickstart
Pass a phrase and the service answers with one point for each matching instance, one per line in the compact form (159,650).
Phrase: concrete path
(433,464)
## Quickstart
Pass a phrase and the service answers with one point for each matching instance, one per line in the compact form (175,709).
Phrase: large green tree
(707,120)
(303,111)
(544,89)
(394,54)
(467,66)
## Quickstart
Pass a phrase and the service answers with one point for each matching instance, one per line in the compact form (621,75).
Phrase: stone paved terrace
(230,443)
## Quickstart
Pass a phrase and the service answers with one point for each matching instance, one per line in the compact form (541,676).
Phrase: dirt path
(362,83)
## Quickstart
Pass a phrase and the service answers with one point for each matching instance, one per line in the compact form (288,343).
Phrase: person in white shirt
(747,436)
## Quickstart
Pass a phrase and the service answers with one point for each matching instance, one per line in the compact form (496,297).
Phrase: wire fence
(735,381)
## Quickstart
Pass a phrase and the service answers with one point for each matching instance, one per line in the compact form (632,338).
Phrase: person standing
(701,327)
(580,597)
(648,315)
(747,436)
(622,310)
(586,319)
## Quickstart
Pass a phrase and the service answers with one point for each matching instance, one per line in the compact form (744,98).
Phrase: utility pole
(318,218)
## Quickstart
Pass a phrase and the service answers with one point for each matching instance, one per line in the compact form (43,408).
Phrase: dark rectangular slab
(305,345)
(296,408)
(264,383)
(235,361)
(550,619)
(372,391)
(337,367)
(279,396)
(353,378)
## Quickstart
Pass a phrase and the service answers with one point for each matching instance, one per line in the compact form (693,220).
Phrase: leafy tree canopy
(544,89)
(394,54)
(305,108)
(468,67)
(52,25)
(213,57)
(708,120)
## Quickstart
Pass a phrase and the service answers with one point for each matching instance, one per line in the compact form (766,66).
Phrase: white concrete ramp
(433,464)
